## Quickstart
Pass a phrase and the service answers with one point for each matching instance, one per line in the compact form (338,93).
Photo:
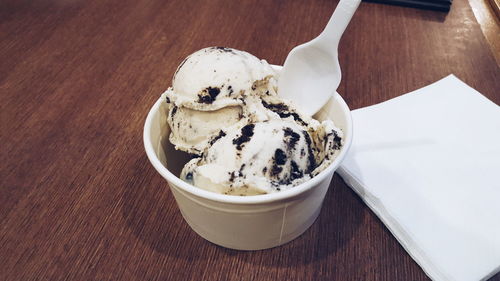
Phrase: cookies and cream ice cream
(224,109)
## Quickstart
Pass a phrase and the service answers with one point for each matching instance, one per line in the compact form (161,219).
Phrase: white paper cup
(244,222)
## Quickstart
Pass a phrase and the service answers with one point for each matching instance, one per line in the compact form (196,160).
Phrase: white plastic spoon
(311,72)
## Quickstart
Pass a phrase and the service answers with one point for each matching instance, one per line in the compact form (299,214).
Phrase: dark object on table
(438,5)
(495,6)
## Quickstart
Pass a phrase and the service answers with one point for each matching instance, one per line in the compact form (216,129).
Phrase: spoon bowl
(311,72)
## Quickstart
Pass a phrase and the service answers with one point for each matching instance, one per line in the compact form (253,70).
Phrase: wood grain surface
(79,199)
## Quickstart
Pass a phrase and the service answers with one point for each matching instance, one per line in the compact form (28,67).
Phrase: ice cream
(215,88)
(225,110)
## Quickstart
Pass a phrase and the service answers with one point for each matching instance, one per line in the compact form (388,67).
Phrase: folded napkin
(428,165)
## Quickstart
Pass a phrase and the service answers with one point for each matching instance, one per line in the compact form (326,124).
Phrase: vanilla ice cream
(225,110)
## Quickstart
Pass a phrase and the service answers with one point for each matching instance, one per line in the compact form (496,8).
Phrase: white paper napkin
(428,165)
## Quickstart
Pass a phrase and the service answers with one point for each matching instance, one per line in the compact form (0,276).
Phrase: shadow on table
(426,15)
(150,211)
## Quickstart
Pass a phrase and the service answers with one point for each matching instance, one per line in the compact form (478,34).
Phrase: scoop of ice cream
(192,130)
(214,89)
(216,77)
(259,158)
(224,110)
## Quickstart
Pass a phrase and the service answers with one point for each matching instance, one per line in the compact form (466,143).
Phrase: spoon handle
(338,23)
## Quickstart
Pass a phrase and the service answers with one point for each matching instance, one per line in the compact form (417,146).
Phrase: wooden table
(79,200)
